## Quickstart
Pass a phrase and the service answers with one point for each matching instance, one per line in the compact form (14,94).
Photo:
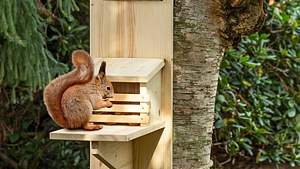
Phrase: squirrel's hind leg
(77,112)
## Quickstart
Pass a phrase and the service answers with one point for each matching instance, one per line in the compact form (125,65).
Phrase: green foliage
(258,102)
(24,63)
(36,41)
(68,33)
(25,128)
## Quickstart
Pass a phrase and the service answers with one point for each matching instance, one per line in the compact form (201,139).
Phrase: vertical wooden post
(139,29)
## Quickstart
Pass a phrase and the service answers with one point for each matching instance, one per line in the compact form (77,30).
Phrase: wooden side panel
(139,29)
(147,143)
(152,89)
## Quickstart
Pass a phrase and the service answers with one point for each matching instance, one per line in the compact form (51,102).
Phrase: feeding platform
(108,133)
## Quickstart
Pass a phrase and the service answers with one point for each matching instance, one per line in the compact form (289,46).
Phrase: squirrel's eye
(108,88)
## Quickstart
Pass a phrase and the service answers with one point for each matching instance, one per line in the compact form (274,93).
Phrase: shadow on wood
(144,148)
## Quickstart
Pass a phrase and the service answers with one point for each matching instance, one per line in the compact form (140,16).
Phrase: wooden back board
(137,28)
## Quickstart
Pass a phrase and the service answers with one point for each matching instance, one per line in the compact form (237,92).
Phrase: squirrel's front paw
(101,104)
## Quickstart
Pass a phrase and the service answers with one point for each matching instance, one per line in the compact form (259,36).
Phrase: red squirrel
(71,98)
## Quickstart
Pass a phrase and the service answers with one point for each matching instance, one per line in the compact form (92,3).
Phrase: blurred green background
(258,101)
(36,42)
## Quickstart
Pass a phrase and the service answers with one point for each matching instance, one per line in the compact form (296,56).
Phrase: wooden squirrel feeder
(137,85)
(135,38)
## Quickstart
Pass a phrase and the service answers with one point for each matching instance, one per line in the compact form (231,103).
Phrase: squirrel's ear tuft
(101,73)
(102,68)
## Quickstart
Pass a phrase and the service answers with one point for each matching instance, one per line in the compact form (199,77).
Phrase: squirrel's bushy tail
(53,92)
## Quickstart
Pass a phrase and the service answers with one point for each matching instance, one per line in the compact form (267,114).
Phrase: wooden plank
(130,98)
(119,118)
(108,133)
(131,29)
(130,69)
(128,108)
(153,90)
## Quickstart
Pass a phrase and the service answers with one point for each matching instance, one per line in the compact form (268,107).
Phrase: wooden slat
(130,98)
(119,118)
(126,108)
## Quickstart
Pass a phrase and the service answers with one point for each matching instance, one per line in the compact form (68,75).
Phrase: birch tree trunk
(197,56)
(203,28)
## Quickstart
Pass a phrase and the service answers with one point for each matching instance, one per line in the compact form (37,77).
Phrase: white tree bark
(197,56)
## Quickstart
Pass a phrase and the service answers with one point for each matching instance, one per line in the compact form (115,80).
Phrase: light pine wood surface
(139,29)
(126,108)
(130,98)
(133,29)
(115,155)
(108,133)
(106,118)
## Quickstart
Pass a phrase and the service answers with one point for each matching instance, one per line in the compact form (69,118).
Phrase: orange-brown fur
(71,98)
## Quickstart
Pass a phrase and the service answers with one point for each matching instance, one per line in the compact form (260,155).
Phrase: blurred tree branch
(44,12)
(8,160)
